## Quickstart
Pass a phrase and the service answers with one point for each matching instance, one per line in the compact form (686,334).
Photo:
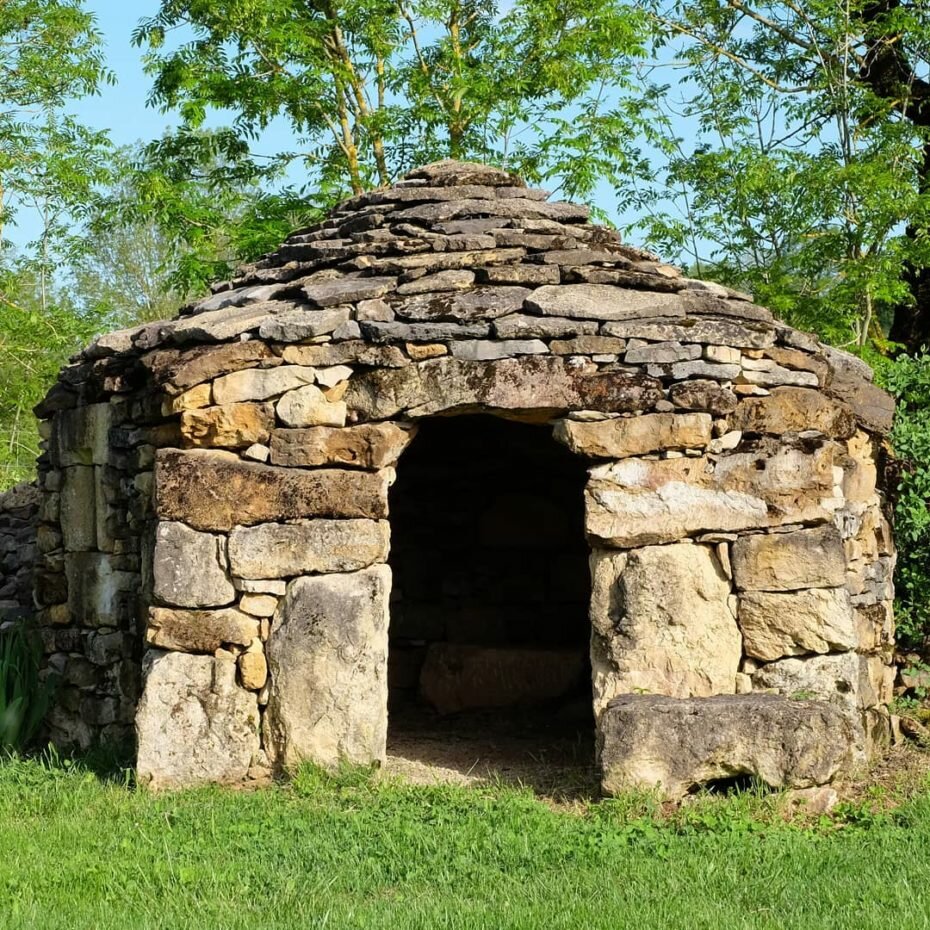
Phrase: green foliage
(804,180)
(372,88)
(908,379)
(38,332)
(24,697)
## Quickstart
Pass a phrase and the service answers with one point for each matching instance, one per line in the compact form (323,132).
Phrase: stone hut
(456,447)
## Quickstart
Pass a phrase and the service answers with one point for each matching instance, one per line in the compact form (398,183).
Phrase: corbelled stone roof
(467,256)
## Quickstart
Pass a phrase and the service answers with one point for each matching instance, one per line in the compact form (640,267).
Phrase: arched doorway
(489,668)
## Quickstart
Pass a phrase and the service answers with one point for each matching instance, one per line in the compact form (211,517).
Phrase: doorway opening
(489,669)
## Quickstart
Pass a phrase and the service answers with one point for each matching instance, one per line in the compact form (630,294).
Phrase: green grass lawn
(79,852)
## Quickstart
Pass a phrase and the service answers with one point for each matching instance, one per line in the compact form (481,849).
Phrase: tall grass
(24,696)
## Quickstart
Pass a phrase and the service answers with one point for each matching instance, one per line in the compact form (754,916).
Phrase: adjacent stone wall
(19,509)
(215,493)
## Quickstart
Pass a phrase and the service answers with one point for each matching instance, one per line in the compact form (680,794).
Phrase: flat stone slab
(217,491)
(636,502)
(652,741)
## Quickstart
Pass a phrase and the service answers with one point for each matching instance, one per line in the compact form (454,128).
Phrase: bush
(908,379)
(24,696)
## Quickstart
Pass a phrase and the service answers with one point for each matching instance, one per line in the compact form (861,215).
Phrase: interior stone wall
(215,525)
(19,508)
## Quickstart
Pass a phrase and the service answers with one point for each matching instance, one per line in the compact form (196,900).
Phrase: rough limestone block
(638,502)
(703,395)
(457,677)
(194,724)
(481,349)
(78,514)
(99,594)
(535,382)
(81,436)
(233,426)
(602,302)
(662,623)
(373,446)
(327,657)
(260,383)
(308,406)
(199,630)
(840,678)
(787,561)
(189,568)
(217,491)
(623,437)
(779,624)
(285,550)
(651,741)
(794,409)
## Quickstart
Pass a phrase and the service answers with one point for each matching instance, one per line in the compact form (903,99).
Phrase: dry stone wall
(214,514)
(19,508)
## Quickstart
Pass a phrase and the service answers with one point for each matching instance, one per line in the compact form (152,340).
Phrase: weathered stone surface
(347,289)
(451,172)
(253,670)
(457,677)
(233,426)
(707,332)
(793,409)
(199,630)
(873,406)
(296,325)
(703,395)
(219,325)
(636,502)
(346,353)
(284,550)
(372,445)
(775,376)
(650,741)
(787,561)
(530,383)
(258,605)
(602,302)
(194,725)
(694,369)
(217,491)
(626,436)
(660,352)
(451,280)
(309,406)
(775,625)
(189,568)
(836,678)
(515,207)
(588,345)
(99,593)
(194,399)
(327,656)
(518,274)
(260,384)
(77,513)
(524,326)
(485,349)
(80,436)
(238,297)
(421,332)
(179,371)
(662,623)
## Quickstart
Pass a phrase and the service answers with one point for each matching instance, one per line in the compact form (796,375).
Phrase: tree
(372,87)
(49,163)
(810,178)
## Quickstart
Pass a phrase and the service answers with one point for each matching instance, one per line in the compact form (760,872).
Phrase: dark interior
(489,633)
